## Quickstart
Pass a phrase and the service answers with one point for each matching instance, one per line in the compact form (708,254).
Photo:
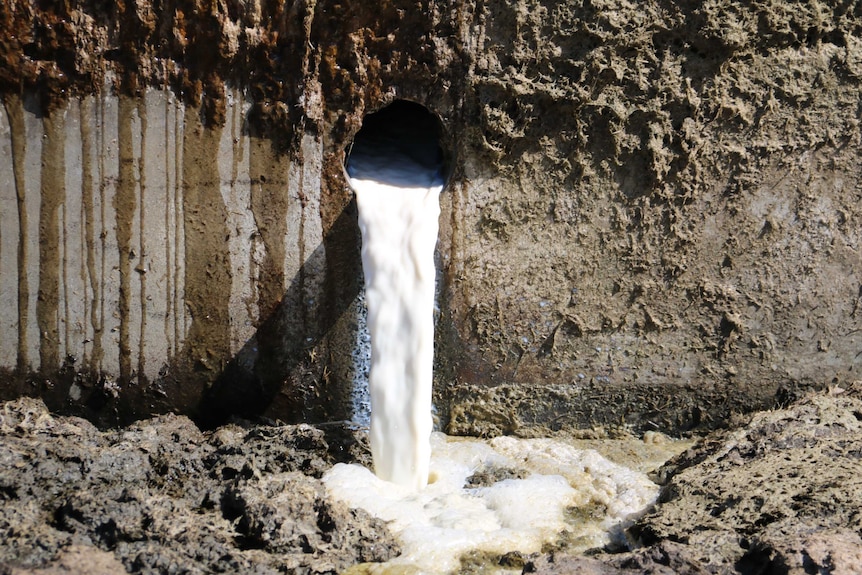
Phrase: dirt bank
(779,494)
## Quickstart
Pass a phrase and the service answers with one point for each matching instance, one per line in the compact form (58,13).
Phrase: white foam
(551,481)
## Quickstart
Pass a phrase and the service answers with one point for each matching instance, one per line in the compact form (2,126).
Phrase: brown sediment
(269,198)
(207,264)
(15,113)
(125,204)
(247,500)
(53,191)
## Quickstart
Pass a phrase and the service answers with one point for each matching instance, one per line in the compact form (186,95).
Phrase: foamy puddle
(489,498)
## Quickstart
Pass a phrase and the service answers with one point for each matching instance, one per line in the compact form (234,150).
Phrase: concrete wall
(654,215)
(142,250)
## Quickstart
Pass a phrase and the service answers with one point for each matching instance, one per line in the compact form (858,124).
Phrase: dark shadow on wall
(282,363)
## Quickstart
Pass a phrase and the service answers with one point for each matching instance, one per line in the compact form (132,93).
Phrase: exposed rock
(836,551)
(74,560)
(780,495)
(665,558)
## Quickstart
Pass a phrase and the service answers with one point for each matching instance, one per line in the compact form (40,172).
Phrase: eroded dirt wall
(653,215)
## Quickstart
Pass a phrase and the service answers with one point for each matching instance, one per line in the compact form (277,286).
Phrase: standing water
(395,167)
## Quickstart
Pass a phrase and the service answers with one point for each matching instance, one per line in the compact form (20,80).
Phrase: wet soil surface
(779,493)
(162,497)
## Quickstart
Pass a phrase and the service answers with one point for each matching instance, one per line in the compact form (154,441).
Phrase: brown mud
(162,497)
(779,494)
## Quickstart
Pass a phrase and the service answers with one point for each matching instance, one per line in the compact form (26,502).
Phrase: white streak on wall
(108,170)
(236,190)
(72,315)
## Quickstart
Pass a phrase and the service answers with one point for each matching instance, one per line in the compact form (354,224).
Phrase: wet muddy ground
(780,492)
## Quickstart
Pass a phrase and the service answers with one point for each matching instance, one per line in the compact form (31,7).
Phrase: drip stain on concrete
(207,261)
(269,199)
(132,269)
(51,242)
(125,203)
(15,115)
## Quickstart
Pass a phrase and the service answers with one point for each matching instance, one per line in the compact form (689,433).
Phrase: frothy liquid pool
(495,497)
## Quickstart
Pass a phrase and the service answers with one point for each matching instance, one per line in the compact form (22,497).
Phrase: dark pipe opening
(399,146)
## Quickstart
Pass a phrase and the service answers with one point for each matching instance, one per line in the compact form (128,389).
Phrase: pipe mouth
(400,146)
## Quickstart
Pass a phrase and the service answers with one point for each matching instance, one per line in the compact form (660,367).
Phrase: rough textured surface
(656,202)
(779,495)
(666,558)
(75,559)
(161,497)
(785,491)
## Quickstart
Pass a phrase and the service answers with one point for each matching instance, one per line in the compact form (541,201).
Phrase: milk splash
(395,168)
(489,498)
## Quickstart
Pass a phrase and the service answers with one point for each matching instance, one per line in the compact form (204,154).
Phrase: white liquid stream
(399,233)
(395,173)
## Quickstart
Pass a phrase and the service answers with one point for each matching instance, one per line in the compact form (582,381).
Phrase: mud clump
(162,497)
(782,494)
